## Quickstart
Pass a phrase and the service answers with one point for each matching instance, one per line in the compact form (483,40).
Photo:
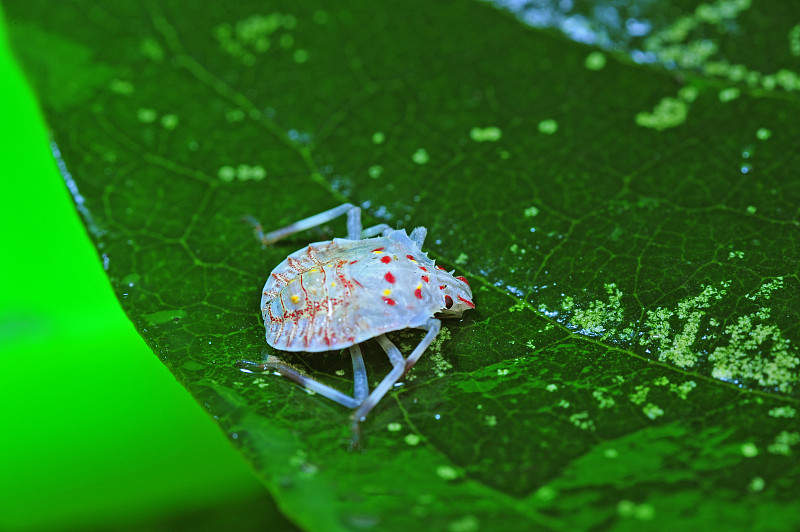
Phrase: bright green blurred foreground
(96,433)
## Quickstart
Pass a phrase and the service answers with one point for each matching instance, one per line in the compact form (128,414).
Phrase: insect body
(336,294)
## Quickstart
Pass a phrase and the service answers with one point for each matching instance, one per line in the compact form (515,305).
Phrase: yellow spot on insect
(387,292)
(419,286)
(333,284)
(295,298)
(377,251)
(313,271)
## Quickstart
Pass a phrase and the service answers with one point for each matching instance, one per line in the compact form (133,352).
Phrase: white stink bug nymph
(339,293)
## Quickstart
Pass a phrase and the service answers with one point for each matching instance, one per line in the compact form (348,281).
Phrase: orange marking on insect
(463,279)
(468,303)
(423,268)
(418,292)
(426,278)
(389,277)
(386,259)
(439,267)
(352,262)
(389,301)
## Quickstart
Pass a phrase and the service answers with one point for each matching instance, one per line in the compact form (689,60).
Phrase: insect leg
(276,365)
(398,367)
(380,229)
(360,385)
(432,325)
(353,224)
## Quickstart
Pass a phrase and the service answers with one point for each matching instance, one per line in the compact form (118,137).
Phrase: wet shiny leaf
(624,206)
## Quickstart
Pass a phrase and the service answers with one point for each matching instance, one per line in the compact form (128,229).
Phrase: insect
(336,294)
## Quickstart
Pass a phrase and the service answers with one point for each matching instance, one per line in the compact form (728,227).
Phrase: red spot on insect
(448,301)
(410,257)
(423,268)
(389,301)
(463,279)
(439,267)
(468,303)
(378,250)
(418,293)
(386,259)
(389,277)
(353,261)
(426,278)
(441,287)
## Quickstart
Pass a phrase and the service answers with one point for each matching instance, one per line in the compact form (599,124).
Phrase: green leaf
(627,219)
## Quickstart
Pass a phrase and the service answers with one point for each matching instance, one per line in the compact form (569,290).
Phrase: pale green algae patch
(485,134)
(256,35)
(652,411)
(468,523)
(783,411)
(447,472)
(604,401)
(548,127)
(242,172)
(677,348)
(642,512)
(595,61)
(689,43)
(594,319)
(582,421)
(755,349)
(669,112)
(146,115)
(749,450)
(747,349)
(729,94)
(412,439)
(784,442)
(420,156)
(744,357)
